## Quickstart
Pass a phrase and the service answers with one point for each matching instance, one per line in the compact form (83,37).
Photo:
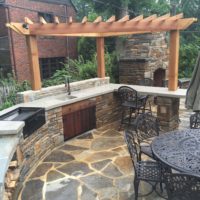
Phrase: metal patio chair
(147,171)
(147,127)
(147,82)
(131,102)
(182,186)
(195,120)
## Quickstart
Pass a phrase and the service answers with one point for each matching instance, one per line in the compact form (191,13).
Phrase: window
(48,66)
(47,17)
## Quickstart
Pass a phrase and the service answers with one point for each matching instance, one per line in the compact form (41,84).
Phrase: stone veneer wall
(168,113)
(36,146)
(108,109)
(31,95)
(32,149)
(142,55)
(50,135)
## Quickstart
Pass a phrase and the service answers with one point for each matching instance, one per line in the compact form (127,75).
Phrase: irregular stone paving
(93,166)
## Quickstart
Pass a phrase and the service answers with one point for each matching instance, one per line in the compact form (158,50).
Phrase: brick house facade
(52,50)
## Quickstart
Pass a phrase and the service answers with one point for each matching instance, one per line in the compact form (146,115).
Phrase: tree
(190,42)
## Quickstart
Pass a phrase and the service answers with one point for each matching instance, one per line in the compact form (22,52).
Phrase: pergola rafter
(100,29)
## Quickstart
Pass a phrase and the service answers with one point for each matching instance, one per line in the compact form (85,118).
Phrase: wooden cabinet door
(68,126)
(78,121)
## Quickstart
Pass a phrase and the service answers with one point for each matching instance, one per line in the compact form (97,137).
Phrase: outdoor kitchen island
(107,107)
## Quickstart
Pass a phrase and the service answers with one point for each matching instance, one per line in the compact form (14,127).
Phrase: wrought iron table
(179,149)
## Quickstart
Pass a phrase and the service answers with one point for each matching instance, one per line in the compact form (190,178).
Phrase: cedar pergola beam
(168,23)
(84,20)
(103,27)
(70,20)
(56,20)
(111,19)
(150,18)
(42,20)
(124,19)
(137,19)
(98,19)
(28,21)
(100,29)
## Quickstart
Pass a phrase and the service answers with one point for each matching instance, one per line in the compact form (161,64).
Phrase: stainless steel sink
(65,97)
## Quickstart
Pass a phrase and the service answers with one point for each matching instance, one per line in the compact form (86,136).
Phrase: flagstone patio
(93,166)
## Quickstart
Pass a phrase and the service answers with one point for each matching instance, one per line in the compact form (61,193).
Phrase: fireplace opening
(159,77)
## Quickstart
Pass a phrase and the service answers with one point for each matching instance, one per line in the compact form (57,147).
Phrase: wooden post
(34,62)
(173,60)
(100,57)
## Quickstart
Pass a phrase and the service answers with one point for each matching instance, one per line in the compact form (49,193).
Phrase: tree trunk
(122,12)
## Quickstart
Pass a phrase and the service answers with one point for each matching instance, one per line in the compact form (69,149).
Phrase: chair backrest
(146,82)
(195,120)
(147,126)
(127,94)
(182,186)
(132,148)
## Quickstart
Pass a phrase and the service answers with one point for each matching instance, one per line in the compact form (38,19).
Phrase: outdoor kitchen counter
(55,101)
(10,131)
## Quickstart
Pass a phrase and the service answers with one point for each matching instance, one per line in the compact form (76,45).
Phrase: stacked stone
(143,54)
(168,113)
(108,109)
(32,149)
(11,179)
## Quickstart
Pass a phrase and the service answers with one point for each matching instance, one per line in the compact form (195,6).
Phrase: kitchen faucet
(67,84)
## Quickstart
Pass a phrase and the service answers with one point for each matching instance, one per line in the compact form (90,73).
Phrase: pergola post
(34,62)
(100,57)
(173,60)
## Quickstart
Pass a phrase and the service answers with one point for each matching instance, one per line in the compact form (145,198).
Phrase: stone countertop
(10,128)
(9,138)
(61,100)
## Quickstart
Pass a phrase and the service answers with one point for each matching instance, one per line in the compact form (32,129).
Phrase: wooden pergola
(101,29)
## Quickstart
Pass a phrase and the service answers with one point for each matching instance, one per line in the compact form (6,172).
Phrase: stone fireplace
(144,56)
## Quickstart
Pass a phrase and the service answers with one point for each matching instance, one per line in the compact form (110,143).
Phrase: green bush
(188,57)
(81,69)
(8,96)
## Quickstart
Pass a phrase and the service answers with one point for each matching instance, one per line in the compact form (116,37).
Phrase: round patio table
(179,149)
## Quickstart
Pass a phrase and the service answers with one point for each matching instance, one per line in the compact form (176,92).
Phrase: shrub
(9,88)
(81,69)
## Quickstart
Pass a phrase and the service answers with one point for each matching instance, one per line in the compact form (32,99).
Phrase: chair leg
(161,187)
(136,186)
(122,118)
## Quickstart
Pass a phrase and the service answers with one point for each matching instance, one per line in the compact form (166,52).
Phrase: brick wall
(48,47)
(3,29)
